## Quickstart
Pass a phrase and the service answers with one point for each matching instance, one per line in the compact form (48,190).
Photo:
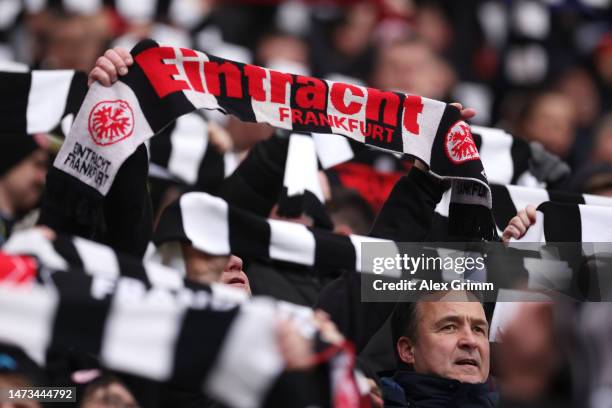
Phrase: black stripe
(333,251)
(80,319)
(521,154)
(307,114)
(76,93)
(64,246)
(170,227)
(212,169)
(562,222)
(565,197)
(241,107)
(249,235)
(477,140)
(503,206)
(14,88)
(198,345)
(161,146)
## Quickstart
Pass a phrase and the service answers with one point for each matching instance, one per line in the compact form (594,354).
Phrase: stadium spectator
(108,391)
(23,168)
(442,349)
(411,66)
(550,118)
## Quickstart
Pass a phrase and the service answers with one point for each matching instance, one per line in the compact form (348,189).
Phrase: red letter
(283,113)
(377,132)
(310,118)
(363,128)
(324,120)
(256,76)
(337,97)
(296,116)
(158,73)
(389,134)
(278,83)
(312,96)
(412,107)
(375,98)
(192,69)
(231,73)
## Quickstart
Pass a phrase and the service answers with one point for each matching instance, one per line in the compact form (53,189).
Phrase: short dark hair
(404,321)
(405,318)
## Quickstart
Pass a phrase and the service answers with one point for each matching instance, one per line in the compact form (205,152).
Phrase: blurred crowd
(539,69)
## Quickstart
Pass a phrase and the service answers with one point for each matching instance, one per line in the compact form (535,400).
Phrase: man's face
(24,182)
(452,341)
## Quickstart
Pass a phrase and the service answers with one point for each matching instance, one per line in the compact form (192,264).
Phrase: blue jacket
(413,390)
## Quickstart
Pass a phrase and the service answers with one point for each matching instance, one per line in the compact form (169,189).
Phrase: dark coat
(410,389)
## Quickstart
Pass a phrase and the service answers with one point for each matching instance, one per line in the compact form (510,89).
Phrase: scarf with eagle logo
(167,82)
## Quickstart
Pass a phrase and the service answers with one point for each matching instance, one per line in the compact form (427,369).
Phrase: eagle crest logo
(459,144)
(110,121)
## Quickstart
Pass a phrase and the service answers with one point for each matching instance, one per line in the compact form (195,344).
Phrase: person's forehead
(434,311)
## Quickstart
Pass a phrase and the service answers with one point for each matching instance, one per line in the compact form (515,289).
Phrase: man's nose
(234,264)
(467,339)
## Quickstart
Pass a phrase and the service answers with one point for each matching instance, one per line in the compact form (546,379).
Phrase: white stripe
(98,260)
(35,6)
(189,141)
(291,242)
(225,297)
(141,330)
(508,303)
(369,248)
(529,180)
(495,154)
(442,207)
(596,223)
(87,7)
(26,318)
(249,360)
(301,169)
(231,161)
(276,114)
(548,274)
(590,199)
(332,149)
(205,222)
(138,11)
(163,277)
(524,196)
(32,242)
(429,120)
(9,9)
(47,99)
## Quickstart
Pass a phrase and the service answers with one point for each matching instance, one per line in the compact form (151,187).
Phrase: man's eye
(449,327)
(479,329)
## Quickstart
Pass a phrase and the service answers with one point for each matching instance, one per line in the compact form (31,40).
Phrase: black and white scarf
(40,101)
(144,319)
(508,200)
(212,226)
(562,222)
(183,153)
(167,82)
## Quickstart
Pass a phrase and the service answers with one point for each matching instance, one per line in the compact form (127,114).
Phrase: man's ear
(405,350)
